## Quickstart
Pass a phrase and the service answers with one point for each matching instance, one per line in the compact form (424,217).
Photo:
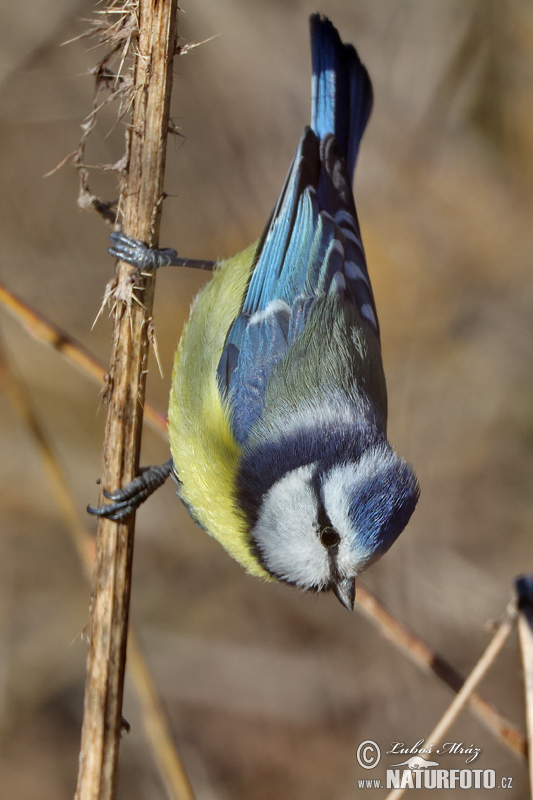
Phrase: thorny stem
(142,191)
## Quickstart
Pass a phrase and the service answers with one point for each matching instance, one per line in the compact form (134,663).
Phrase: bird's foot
(128,499)
(148,259)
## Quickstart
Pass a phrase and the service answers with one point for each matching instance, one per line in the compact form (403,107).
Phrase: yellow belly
(204,451)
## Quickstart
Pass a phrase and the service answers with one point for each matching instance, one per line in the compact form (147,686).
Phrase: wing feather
(312,243)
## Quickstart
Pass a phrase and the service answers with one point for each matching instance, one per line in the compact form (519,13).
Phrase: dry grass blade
(141,193)
(69,347)
(155,722)
(156,725)
(17,395)
(428,660)
(476,676)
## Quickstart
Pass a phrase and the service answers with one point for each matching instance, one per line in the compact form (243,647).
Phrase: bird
(278,404)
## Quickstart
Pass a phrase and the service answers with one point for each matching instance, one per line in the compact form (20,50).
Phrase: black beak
(344,589)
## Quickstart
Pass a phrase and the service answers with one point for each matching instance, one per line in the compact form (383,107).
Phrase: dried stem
(428,660)
(476,676)
(156,725)
(52,335)
(141,195)
(69,347)
(155,721)
(16,392)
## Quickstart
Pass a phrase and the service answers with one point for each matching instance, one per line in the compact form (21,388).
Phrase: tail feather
(342,91)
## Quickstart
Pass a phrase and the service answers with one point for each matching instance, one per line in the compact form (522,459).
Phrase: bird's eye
(329,537)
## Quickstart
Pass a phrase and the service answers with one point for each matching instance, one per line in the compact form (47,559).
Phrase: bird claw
(127,500)
(139,254)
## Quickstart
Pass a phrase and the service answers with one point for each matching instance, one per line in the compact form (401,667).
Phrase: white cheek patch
(286,531)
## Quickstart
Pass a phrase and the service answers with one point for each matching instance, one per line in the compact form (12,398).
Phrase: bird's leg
(128,499)
(148,259)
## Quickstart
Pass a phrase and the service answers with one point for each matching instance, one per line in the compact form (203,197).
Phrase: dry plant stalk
(429,660)
(476,676)
(141,196)
(17,394)
(70,348)
(155,722)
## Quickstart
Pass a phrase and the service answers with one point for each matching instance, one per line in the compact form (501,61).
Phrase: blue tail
(342,91)
(311,247)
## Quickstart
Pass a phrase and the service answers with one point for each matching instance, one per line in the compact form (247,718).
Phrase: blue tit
(278,406)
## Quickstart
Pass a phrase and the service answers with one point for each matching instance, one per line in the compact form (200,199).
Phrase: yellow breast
(204,450)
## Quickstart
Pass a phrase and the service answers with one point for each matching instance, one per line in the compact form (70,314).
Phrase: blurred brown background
(270,691)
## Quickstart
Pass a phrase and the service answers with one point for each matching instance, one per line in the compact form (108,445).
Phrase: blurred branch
(69,347)
(155,722)
(141,195)
(430,661)
(52,335)
(476,676)
(18,396)
(156,725)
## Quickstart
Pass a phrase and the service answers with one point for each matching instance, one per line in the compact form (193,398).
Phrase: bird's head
(319,526)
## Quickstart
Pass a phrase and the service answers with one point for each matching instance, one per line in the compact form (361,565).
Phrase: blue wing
(312,242)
